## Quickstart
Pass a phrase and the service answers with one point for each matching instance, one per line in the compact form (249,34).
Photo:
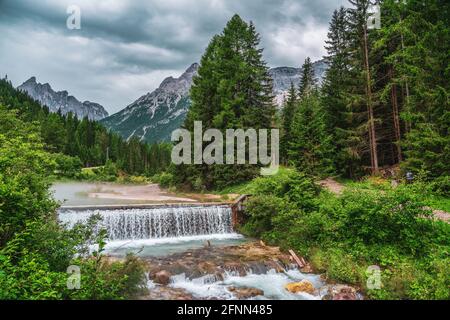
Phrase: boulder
(341,292)
(162,277)
(302,286)
(345,293)
(245,293)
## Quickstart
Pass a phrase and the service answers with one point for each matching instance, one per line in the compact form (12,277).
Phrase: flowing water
(271,283)
(155,231)
(159,230)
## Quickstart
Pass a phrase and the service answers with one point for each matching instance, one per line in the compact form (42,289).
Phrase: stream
(191,250)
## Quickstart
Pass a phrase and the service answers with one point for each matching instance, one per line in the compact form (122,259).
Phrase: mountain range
(154,116)
(61,100)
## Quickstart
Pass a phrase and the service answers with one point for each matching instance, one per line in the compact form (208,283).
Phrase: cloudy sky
(125,48)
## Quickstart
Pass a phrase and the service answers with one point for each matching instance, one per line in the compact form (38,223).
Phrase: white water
(156,223)
(159,231)
(272,283)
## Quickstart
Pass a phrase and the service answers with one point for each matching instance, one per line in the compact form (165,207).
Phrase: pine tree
(308,82)
(362,75)
(233,90)
(310,148)
(340,117)
(288,112)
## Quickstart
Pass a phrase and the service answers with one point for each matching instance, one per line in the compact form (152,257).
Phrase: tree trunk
(371,122)
(396,117)
(408,122)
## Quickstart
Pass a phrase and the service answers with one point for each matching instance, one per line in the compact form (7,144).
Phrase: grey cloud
(141,42)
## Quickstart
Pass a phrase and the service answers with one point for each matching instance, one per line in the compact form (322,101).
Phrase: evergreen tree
(310,148)
(288,112)
(308,82)
(361,95)
(233,90)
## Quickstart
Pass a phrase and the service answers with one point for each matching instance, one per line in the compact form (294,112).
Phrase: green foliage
(233,90)
(288,113)
(23,164)
(83,139)
(35,250)
(67,166)
(164,179)
(310,148)
(369,224)
(277,200)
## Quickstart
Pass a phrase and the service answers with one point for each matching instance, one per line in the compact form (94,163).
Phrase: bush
(441,186)
(371,223)
(66,166)
(164,179)
(260,210)
(35,249)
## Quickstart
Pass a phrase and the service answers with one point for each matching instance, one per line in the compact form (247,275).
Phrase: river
(193,243)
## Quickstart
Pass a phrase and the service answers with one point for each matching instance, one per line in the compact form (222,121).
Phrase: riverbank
(83,193)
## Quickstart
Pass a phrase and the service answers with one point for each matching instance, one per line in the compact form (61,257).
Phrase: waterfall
(156,223)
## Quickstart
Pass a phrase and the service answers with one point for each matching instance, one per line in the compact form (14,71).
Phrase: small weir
(150,225)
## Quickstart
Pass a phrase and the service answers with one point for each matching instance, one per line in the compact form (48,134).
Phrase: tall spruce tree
(361,96)
(287,116)
(310,148)
(233,90)
(308,82)
(342,121)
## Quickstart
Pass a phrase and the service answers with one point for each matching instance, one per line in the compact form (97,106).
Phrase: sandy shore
(152,193)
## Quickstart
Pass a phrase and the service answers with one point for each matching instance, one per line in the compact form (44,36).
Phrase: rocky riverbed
(249,271)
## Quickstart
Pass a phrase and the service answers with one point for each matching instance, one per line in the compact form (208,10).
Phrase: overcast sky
(125,48)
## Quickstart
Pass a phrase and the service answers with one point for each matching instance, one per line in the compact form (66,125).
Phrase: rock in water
(302,286)
(342,292)
(162,277)
(246,293)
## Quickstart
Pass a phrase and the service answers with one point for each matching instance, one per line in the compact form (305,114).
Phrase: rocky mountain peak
(31,80)
(61,100)
(154,116)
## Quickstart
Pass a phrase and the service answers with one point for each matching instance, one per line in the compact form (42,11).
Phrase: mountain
(61,100)
(284,76)
(154,116)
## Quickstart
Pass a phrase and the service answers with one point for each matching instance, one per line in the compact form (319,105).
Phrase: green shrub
(260,210)
(371,223)
(164,179)
(441,185)
(67,166)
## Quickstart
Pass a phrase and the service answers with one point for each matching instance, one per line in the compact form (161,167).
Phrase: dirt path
(332,186)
